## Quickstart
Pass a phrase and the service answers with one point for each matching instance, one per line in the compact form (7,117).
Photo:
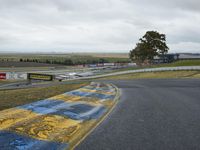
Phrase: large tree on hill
(151,44)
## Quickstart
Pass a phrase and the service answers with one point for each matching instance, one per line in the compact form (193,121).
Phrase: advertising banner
(2,76)
(36,76)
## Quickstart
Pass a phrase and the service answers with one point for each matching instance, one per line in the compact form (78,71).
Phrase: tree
(150,45)
(47,61)
(68,62)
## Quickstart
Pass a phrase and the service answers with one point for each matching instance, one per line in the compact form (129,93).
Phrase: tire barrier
(59,122)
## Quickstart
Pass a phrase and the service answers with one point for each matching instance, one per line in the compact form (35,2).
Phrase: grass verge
(12,98)
(181,63)
(9,81)
(173,64)
(149,75)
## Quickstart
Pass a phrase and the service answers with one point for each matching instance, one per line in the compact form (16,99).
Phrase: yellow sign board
(35,76)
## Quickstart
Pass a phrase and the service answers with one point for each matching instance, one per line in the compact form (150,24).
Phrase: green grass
(174,64)
(181,63)
(9,81)
(151,75)
(12,98)
(61,58)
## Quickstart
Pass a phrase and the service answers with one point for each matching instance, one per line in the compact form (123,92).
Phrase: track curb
(116,99)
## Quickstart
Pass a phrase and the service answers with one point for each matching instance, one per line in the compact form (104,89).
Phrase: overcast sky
(96,25)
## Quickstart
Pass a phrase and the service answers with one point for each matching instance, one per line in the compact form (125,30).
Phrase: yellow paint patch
(73,98)
(64,97)
(96,91)
(12,116)
(48,127)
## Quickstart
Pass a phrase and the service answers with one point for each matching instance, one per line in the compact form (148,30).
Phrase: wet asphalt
(152,114)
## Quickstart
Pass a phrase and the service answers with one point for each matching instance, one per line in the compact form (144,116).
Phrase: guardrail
(145,70)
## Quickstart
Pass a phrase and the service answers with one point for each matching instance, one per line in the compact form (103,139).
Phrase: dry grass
(109,55)
(12,98)
(149,75)
(7,81)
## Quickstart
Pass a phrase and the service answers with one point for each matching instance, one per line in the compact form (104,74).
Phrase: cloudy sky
(96,25)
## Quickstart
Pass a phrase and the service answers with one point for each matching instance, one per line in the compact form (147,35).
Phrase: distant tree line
(70,62)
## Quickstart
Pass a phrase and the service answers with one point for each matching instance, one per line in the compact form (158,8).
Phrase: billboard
(16,75)
(2,76)
(37,76)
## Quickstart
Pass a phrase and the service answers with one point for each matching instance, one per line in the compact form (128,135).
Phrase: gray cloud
(96,25)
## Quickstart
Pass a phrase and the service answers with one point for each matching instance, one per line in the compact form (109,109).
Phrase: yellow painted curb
(116,99)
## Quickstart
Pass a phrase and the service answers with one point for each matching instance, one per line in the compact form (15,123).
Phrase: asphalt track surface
(152,114)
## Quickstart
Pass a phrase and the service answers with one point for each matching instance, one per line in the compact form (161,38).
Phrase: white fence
(147,70)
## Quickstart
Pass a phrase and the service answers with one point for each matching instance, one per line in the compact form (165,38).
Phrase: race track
(153,114)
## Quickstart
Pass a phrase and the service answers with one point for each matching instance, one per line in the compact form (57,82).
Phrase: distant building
(166,58)
(189,55)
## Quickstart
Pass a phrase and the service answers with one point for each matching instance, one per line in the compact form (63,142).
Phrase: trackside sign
(2,76)
(36,76)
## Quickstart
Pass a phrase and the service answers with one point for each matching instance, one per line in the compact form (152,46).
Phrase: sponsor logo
(34,76)
(2,76)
